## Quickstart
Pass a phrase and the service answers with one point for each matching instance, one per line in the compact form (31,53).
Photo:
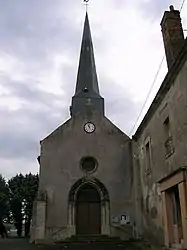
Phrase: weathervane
(86,2)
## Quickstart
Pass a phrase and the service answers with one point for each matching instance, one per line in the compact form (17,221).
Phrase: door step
(93,238)
(107,243)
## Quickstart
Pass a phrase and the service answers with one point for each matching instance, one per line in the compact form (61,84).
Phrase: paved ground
(14,244)
(23,244)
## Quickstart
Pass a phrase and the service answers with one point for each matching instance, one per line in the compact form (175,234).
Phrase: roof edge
(164,88)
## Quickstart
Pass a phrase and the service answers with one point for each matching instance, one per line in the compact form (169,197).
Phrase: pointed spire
(87,76)
(87,82)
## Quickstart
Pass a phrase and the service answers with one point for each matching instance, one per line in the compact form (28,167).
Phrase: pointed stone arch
(104,203)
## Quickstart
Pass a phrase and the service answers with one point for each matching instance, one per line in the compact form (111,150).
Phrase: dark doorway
(88,210)
(174,215)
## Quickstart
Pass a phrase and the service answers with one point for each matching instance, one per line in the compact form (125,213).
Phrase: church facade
(95,180)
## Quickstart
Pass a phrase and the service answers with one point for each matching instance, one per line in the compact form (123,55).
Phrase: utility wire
(152,85)
(182,5)
(150,90)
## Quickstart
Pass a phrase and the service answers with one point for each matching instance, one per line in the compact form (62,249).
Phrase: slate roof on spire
(87,99)
(87,77)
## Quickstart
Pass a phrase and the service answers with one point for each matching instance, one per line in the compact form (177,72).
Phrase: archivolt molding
(92,181)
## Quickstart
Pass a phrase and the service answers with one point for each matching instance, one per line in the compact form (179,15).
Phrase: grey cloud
(34,30)
(119,105)
(21,129)
(151,9)
(155,9)
(29,92)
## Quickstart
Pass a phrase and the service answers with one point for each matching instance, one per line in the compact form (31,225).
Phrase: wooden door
(95,218)
(88,211)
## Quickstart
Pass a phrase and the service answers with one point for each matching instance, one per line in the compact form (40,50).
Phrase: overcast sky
(39,52)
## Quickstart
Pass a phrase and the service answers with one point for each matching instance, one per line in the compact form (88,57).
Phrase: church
(96,180)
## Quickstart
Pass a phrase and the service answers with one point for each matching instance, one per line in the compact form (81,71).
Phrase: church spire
(87,76)
(87,89)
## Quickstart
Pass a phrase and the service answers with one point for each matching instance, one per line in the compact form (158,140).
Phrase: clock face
(89,127)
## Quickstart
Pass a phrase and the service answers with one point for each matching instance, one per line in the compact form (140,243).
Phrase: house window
(167,128)
(168,141)
(148,156)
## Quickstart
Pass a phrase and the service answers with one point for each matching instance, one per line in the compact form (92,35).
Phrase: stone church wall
(61,154)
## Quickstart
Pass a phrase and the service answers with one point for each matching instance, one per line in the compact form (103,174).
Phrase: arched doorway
(88,210)
(101,197)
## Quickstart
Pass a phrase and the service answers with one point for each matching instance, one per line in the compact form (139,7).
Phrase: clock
(89,127)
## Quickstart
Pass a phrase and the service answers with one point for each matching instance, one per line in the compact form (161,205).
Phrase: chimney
(173,35)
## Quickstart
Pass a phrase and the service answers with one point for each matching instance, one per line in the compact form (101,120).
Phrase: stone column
(183,204)
(105,218)
(40,220)
(33,223)
(165,220)
(71,219)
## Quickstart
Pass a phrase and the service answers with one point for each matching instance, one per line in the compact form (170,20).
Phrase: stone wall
(61,154)
(172,105)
